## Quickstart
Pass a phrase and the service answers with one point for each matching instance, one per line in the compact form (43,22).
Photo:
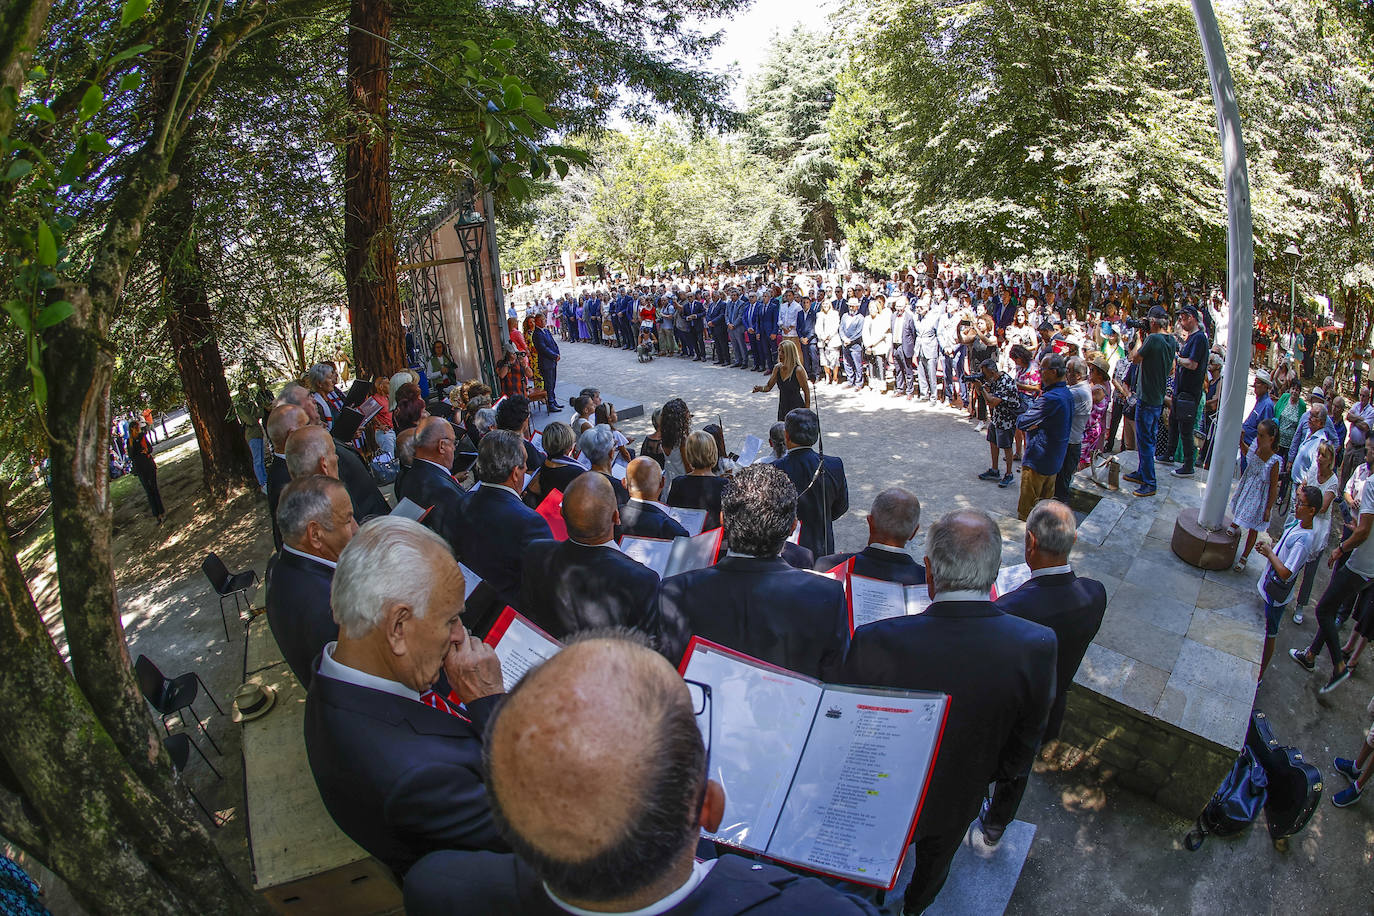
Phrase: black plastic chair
(229,585)
(179,749)
(171,696)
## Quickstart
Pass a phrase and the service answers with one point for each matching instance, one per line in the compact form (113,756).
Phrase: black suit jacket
(818,505)
(876,563)
(497,529)
(277,479)
(461,883)
(298,611)
(999,672)
(567,587)
(642,520)
(362,489)
(426,485)
(400,778)
(762,607)
(797,557)
(1070,606)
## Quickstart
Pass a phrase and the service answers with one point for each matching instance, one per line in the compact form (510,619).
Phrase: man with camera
(1004,402)
(1154,354)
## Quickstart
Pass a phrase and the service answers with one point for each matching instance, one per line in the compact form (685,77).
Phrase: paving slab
(982,877)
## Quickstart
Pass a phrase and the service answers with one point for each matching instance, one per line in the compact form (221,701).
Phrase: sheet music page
(1010,578)
(470,579)
(750,453)
(521,647)
(861,776)
(692,553)
(407,508)
(875,599)
(618,470)
(652,552)
(795,536)
(370,409)
(917,599)
(691,519)
(760,718)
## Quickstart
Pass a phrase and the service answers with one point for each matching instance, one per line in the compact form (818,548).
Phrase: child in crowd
(1258,486)
(1286,559)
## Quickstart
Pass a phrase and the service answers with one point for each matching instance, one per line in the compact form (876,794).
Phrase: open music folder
(824,777)
(520,645)
(871,600)
(668,558)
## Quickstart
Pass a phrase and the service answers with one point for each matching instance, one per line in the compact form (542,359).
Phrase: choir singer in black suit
(585,582)
(281,423)
(599,783)
(997,669)
(497,527)
(430,483)
(751,600)
(822,497)
(645,516)
(892,523)
(316,518)
(1069,605)
(398,766)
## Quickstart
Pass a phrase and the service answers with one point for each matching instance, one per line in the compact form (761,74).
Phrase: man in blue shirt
(1046,422)
(1263,410)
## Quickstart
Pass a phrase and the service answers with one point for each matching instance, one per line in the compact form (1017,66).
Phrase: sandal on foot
(1240,565)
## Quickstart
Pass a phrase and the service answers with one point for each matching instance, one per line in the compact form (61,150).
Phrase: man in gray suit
(927,347)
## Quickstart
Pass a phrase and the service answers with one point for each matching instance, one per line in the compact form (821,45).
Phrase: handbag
(1236,803)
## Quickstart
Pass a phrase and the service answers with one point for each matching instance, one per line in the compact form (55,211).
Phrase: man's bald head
(282,421)
(589,509)
(644,479)
(310,450)
(597,770)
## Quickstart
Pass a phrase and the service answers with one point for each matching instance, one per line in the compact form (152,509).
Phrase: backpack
(1235,805)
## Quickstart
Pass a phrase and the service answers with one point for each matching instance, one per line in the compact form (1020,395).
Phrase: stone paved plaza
(1177,645)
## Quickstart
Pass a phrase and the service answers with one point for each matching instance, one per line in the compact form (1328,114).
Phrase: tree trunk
(224,456)
(1083,287)
(374,304)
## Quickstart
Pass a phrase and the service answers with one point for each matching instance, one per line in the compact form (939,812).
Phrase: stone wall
(1175,768)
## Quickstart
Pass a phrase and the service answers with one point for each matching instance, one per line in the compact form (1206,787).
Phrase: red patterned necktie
(449,705)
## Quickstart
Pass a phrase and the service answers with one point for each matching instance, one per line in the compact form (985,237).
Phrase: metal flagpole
(1240,262)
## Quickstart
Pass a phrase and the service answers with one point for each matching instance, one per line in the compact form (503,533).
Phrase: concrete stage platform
(1163,696)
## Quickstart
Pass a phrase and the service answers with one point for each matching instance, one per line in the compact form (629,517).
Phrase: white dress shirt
(341,672)
(699,872)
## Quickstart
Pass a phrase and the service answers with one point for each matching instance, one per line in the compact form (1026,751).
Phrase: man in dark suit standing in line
(645,515)
(429,483)
(399,767)
(547,348)
(585,582)
(822,496)
(603,799)
(892,523)
(497,526)
(281,423)
(998,670)
(904,334)
(1070,606)
(317,523)
(751,600)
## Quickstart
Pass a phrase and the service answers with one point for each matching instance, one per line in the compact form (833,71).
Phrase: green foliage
(38,190)
(789,101)
(659,198)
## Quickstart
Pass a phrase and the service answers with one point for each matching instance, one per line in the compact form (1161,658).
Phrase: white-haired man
(399,766)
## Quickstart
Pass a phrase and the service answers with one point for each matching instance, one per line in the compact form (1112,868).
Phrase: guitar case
(1295,786)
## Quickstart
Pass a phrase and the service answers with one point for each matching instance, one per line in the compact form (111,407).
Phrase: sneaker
(981,426)
(1182,472)
(1346,797)
(1159,460)
(1144,491)
(1301,659)
(989,474)
(1297,616)
(1346,767)
(1005,482)
(1336,681)
(1133,477)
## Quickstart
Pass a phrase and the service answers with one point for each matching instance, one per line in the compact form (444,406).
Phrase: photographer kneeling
(1004,401)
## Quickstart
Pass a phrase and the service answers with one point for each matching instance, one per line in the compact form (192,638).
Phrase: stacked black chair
(179,749)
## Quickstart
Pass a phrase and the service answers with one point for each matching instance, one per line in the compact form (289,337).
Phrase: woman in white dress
(1257,488)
